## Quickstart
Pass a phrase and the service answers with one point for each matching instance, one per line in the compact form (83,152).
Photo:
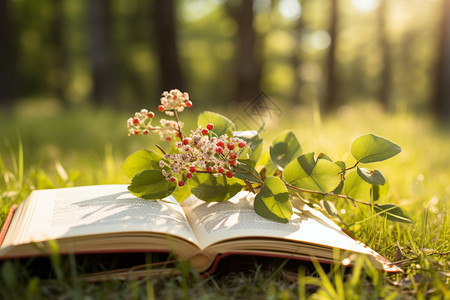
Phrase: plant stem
(178,123)
(160,148)
(297,189)
(354,166)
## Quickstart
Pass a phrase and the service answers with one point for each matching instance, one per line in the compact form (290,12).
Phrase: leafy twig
(294,188)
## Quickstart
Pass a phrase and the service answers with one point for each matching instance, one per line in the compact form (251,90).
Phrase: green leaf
(339,188)
(273,202)
(307,173)
(330,208)
(392,212)
(342,165)
(248,173)
(379,191)
(255,142)
(324,156)
(371,177)
(151,184)
(244,154)
(140,161)
(285,148)
(214,189)
(370,148)
(356,188)
(267,163)
(221,123)
(181,193)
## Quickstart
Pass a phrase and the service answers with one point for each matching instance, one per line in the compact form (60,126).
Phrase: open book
(107,218)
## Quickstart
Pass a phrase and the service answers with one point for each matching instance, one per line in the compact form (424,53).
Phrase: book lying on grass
(108,219)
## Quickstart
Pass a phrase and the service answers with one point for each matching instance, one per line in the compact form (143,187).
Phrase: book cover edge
(7,223)
(387,266)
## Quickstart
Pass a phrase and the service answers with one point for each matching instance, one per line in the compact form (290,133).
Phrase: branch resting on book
(214,162)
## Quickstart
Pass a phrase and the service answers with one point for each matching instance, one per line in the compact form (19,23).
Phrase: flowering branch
(214,162)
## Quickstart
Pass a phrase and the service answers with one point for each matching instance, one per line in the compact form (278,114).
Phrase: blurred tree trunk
(331,101)
(296,61)
(59,52)
(385,73)
(8,66)
(99,35)
(163,16)
(441,104)
(249,62)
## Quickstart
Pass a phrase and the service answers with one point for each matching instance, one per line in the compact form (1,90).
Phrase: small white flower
(162,164)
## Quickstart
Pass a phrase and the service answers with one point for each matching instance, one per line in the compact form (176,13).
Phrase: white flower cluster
(140,123)
(171,102)
(168,129)
(174,100)
(201,152)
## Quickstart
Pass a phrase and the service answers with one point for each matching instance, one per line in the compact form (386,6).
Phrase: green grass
(43,149)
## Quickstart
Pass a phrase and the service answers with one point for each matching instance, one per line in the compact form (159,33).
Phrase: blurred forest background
(322,53)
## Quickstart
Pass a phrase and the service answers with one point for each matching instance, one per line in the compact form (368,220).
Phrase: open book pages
(234,227)
(107,218)
(217,221)
(103,218)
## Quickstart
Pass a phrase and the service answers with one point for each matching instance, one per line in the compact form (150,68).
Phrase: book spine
(7,223)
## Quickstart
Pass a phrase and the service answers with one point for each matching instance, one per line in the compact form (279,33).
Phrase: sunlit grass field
(46,148)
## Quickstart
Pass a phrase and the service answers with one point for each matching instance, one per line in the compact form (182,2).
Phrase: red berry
(210,126)
(168,138)
(160,108)
(136,121)
(219,150)
(172,179)
(188,103)
(185,141)
(229,174)
(150,115)
(233,155)
(188,175)
(209,169)
(177,135)
(232,162)
(230,146)
(192,169)
(145,131)
(220,143)
(242,144)
(136,132)
(205,131)
(220,170)
(181,183)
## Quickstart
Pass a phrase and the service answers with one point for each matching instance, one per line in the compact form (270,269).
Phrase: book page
(236,218)
(81,211)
